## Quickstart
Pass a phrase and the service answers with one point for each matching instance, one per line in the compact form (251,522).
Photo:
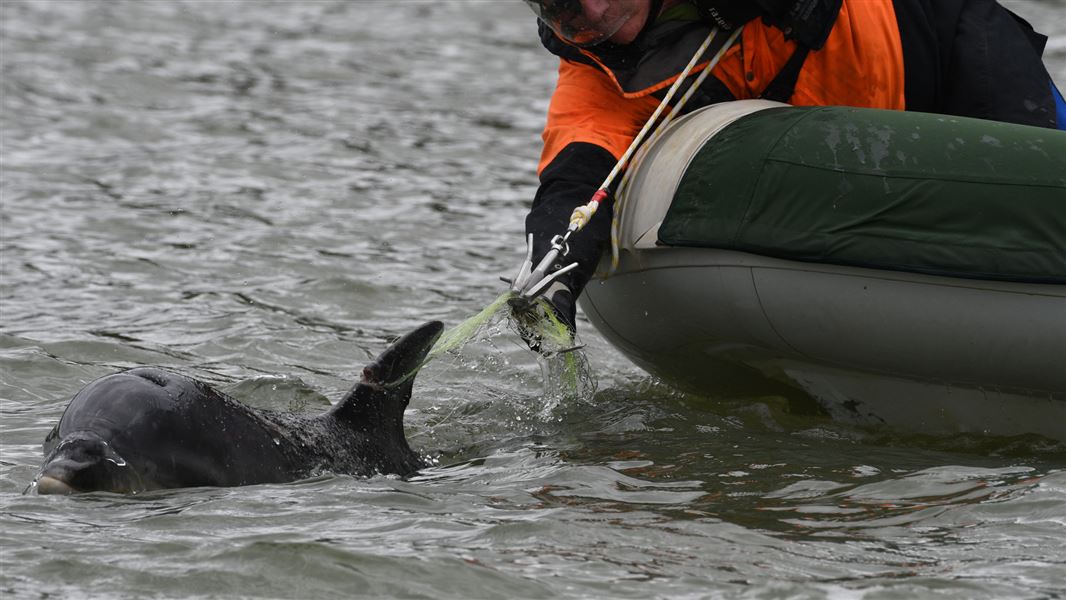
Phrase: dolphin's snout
(85,463)
(47,484)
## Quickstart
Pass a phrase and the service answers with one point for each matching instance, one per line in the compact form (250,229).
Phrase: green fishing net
(565,368)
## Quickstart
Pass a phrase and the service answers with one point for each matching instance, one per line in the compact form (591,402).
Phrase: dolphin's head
(397,365)
(83,461)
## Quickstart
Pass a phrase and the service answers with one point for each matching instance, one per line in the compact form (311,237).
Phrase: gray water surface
(262,195)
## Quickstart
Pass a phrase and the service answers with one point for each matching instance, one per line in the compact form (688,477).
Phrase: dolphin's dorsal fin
(369,406)
(378,400)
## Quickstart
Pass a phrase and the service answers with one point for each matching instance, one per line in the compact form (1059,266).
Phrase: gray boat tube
(867,318)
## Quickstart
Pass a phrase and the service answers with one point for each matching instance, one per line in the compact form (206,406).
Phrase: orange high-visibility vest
(861,64)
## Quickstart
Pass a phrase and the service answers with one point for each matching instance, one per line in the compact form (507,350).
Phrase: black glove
(562,302)
(530,322)
(570,180)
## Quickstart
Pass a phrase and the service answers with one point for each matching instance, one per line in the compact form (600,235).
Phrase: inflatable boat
(887,268)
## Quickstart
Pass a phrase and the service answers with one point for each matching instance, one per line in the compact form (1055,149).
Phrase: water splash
(567,373)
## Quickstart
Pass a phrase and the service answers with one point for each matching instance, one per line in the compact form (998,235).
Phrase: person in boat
(970,58)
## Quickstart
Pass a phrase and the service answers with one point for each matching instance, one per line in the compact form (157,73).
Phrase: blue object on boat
(1060,107)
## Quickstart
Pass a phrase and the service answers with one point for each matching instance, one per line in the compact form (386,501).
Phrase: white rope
(662,126)
(582,214)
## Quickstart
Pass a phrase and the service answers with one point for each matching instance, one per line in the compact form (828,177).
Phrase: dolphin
(147,429)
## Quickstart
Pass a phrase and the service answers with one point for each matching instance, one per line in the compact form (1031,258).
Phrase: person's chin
(629,31)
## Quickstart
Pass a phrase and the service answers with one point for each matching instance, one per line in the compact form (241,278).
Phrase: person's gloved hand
(564,305)
(561,302)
